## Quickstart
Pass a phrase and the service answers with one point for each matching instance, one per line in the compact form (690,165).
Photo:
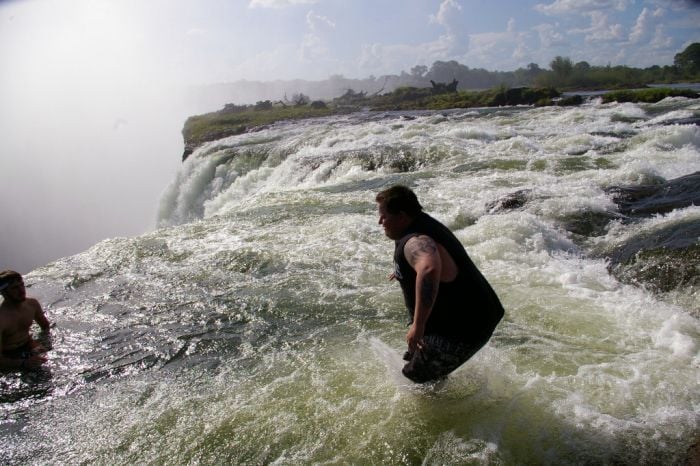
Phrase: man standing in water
(18,350)
(452,308)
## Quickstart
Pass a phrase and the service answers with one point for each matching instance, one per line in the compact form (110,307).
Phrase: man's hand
(414,337)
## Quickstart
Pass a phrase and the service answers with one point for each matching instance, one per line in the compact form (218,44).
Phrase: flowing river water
(256,325)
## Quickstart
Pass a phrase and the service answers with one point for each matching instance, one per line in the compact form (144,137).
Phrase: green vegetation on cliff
(237,119)
(649,96)
(411,98)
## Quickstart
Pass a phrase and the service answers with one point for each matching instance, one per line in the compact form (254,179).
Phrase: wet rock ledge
(661,259)
(666,258)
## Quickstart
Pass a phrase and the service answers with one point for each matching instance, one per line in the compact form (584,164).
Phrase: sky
(93,93)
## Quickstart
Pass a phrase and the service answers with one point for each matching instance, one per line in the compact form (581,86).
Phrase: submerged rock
(647,200)
(684,121)
(510,201)
(663,259)
(588,223)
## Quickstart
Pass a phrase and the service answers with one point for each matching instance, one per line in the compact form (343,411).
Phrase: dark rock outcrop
(524,96)
(684,121)
(444,88)
(666,258)
(569,101)
(192,144)
(510,201)
(662,260)
(661,198)
(588,223)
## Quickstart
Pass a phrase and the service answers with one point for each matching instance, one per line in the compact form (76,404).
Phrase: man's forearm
(426,292)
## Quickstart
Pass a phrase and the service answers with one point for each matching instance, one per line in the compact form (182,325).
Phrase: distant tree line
(562,74)
(235,119)
(451,76)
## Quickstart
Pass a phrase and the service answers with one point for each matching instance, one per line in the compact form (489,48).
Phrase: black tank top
(465,308)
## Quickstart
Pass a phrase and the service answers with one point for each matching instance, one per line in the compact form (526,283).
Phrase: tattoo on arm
(418,246)
(423,251)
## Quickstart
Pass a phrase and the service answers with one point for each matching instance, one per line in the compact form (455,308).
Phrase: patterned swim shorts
(438,357)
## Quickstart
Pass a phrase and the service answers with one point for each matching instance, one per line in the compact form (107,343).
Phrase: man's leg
(438,357)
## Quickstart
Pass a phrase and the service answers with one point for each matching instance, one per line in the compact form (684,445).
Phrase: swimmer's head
(9,277)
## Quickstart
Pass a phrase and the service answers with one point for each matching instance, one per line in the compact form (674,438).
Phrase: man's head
(398,206)
(12,286)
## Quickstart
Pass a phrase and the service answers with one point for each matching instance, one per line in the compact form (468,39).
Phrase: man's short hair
(400,199)
(8,277)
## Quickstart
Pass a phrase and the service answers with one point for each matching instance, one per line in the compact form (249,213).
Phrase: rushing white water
(257,325)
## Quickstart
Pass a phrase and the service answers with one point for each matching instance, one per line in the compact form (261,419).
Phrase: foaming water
(257,325)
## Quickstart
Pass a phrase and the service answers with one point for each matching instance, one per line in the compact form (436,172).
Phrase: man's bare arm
(39,315)
(422,254)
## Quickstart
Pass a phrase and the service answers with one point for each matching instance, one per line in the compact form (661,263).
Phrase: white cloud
(591,30)
(498,50)
(444,12)
(389,59)
(655,51)
(313,20)
(521,52)
(490,49)
(645,25)
(550,36)
(313,46)
(564,7)
(650,31)
(641,27)
(600,30)
(278,3)
(661,40)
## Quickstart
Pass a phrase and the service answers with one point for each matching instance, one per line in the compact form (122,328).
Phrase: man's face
(15,292)
(394,224)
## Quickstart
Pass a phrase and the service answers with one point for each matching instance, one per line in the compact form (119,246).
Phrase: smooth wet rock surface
(662,259)
(647,200)
(667,258)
